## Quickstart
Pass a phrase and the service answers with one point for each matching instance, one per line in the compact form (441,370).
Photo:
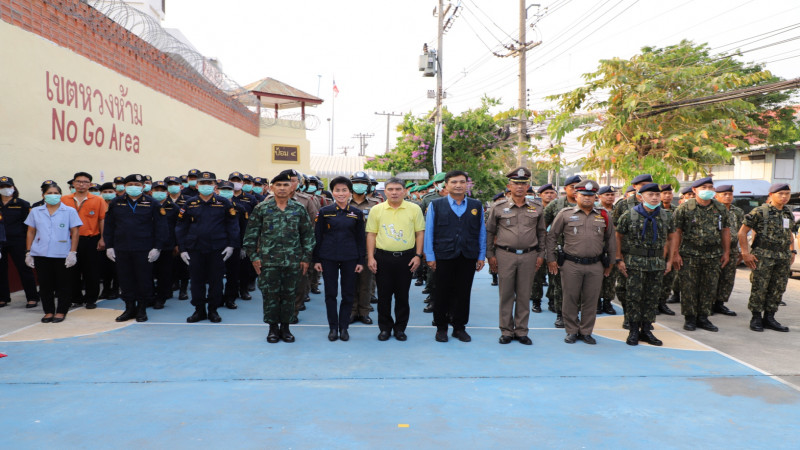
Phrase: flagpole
(333,115)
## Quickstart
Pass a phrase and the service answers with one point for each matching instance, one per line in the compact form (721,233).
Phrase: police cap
(207,176)
(159,184)
(643,178)
(546,187)
(184,178)
(258,181)
(777,187)
(134,178)
(107,185)
(587,187)
(47,183)
(650,187)
(702,181)
(519,175)
(247,177)
(6,181)
(119,180)
(193,173)
(574,179)
(172,180)
(724,188)
(148,178)
(225,184)
(235,175)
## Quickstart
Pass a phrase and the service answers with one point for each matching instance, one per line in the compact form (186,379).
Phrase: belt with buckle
(518,251)
(395,254)
(584,261)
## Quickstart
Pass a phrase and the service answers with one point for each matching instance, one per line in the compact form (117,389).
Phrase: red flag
(335,89)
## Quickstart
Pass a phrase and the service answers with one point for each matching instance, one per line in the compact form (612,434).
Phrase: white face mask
(8,192)
(237,186)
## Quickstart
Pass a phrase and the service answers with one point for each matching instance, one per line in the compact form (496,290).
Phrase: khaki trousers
(581,285)
(515,276)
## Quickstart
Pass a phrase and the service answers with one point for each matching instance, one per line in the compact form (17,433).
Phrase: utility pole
(437,160)
(388,119)
(362,142)
(345,148)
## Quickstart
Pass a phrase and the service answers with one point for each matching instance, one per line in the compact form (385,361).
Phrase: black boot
(608,308)
(251,286)
(537,306)
(720,307)
(599,306)
(141,312)
(129,313)
(559,323)
(426,289)
(244,294)
(213,316)
(647,336)
(755,322)
(626,324)
(551,306)
(183,294)
(286,335)
(199,314)
(664,309)
(690,323)
(704,323)
(633,335)
(674,298)
(419,282)
(114,292)
(273,335)
(494,279)
(772,324)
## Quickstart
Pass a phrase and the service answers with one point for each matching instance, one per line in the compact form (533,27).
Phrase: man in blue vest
(455,248)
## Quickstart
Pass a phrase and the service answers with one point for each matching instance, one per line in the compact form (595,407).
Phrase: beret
(630,189)
(650,187)
(643,178)
(686,190)
(724,188)
(573,179)
(439,177)
(777,187)
(702,181)
(606,189)
(286,175)
(545,187)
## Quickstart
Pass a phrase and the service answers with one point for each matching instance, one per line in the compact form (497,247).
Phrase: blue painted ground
(167,384)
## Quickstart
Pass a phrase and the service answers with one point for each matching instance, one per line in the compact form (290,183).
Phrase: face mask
(72,190)
(52,199)
(206,189)
(247,187)
(192,182)
(360,188)
(8,192)
(237,186)
(706,195)
(652,205)
(529,197)
(227,193)
(311,189)
(174,189)
(147,187)
(160,196)
(185,185)
(597,204)
(119,187)
(109,196)
(258,189)
(134,191)
(438,188)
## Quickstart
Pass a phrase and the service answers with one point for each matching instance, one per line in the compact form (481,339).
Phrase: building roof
(283,96)
(325,166)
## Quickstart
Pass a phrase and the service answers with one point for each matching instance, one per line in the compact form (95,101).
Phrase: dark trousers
(331,270)
(163,270)
(55,280)
(453,286)
(108,271)
(135,276)
(16,251)
(393,279)
(206,268)
(87,270)
(233,275)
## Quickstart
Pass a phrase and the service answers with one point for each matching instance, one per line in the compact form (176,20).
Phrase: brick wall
(86,31)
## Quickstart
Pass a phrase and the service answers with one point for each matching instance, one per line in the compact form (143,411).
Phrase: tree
(474,141)
(687,140)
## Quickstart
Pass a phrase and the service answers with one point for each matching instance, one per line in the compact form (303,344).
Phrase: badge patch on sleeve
(232,211)
(163,212)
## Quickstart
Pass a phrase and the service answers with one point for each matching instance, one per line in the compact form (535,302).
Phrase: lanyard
(133,206)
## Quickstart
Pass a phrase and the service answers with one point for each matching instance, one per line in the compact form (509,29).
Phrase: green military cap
(409,184)
(519,175)
(427,185)
(438,178)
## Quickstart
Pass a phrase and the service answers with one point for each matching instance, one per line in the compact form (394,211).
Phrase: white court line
(20,329)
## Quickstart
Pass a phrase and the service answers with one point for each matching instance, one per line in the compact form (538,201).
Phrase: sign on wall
(285,153)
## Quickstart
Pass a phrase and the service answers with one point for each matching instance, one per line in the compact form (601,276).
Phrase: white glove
(227,253)
(72,259)
(111,255)
(153,255)
(185,257)
(29,260)
(242,254)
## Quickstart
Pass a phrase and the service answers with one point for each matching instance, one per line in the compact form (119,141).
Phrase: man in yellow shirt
(395,231)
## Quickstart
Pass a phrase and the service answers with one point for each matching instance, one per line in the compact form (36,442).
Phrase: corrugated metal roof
(325,166)
(270,86)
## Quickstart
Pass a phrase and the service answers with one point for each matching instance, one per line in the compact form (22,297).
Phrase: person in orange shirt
(92,212)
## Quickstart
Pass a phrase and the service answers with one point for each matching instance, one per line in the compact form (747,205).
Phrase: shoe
(61,319)
(441,336)
(384,336)
(47,319)
(128,314)
(462,335)
(315,290)
(633,336)
(571,338)
(772,324)
(690,323)
(231,304)
(419,282)
(199,314)
(366,320)
(353,318)
(251,286)
(428,308)
(141,317)
(663,308)
(35,303)
(559,323)
(433,323)
(286,335)
(295,320)
(333,335)
(648,336)
(371,309)
(505,339)
(373,299)
(183,295)
(302,307)
(625,324)
(719,307)
(244,295)
(272,336)
(156,305)
(494,279)
(599,306)
(400,336)
(344,335)
(141,312)
(213,316)
(551,306)
(88,306)
(674,298)
(537,306)
(704,323)
(307,299)
(608,308)
(113,295)
(428,299)
(588,339)
(426,290)
(755,323)
(525,340)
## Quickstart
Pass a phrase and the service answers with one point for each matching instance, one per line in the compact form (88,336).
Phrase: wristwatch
(419,255)
(618,260)
(794,251)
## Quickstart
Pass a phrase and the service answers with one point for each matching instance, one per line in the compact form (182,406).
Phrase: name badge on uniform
(786,223)
(506,210)
(572,218)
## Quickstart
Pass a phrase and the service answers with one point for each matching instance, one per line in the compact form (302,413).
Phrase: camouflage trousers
(726,278)
(769,281)
(698,277)
(607,291)
(303,288)
(620,290)
(279,286)
(555,291)
(537,289)
(668,284)
(642,288)
(313,277)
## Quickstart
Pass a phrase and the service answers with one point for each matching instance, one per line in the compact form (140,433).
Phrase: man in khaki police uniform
(587,232)
(516,255)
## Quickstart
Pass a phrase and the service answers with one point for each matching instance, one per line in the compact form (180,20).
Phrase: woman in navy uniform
(13,212)
(340,251)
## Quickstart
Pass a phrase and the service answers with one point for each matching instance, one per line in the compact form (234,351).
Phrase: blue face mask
(530,198)
(134,191)
(258,189)
(192,182)
(652,205)
(247,187)
(206,189)
(598,204)
(109,196)
(72,190)
(185,185)
(706,195)
(311,189)
(119,187)
(174,189)
(227,193)
(52,199)
(160,196)
(147,187)
(359,188)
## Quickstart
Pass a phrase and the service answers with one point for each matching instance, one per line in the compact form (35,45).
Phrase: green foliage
(473,141)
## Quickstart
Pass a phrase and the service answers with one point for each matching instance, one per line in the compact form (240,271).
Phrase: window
(784,164)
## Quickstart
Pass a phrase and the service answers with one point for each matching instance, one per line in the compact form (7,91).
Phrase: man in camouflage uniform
(547,193)
(728,273)
(772,257)
(606,196)
(702,249)
(555,292)
(686,194)
(439,190)
(620,209)
(669,277)
(643,256)
(279,240)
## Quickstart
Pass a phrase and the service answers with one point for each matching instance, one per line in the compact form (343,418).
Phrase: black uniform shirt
(340,234)
(204,226)
(135,225)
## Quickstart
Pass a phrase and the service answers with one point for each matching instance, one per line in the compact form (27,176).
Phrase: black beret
(643,178)
(498,196)
(6,181)
(650,187)
(665,187)
(686,190)
(630,189)
(572,180)
(702,181)
(777,187)
(546,187)
(288,172)
(724,188)
(107,185)
(134,177)
(606,190)
(530,189)
(286,175)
